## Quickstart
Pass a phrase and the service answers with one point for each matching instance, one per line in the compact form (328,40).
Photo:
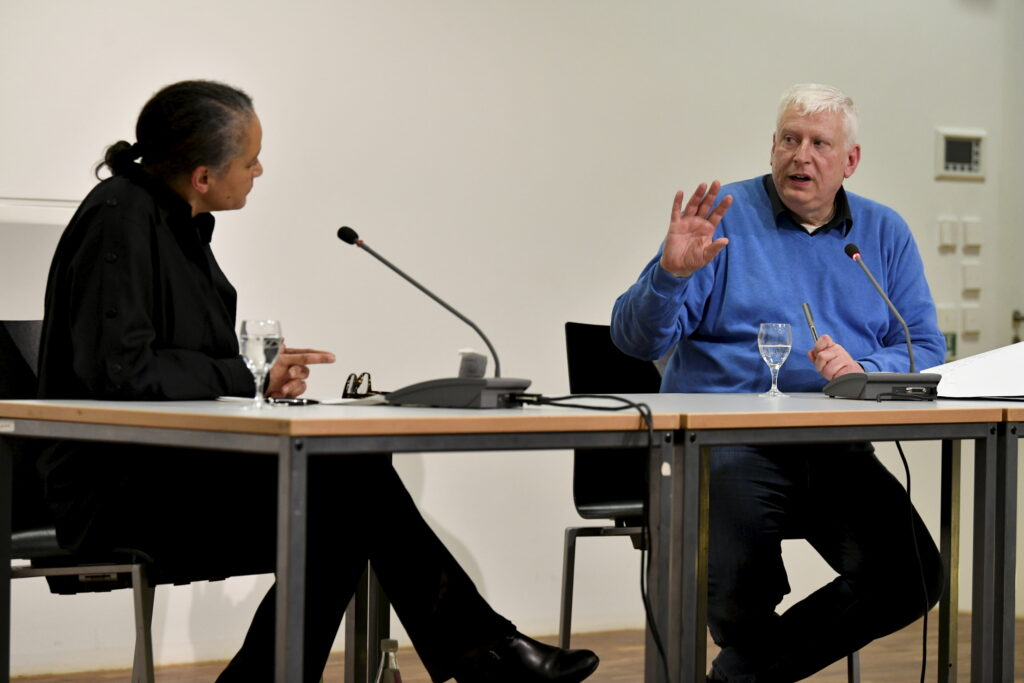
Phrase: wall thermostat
(959,154)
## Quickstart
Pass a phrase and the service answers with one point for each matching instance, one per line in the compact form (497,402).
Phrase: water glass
(774,341)
(261,342)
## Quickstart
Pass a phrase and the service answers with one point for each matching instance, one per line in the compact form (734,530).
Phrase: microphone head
(347,235)
(851,250)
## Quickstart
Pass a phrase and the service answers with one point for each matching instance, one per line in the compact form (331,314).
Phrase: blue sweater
(765,273)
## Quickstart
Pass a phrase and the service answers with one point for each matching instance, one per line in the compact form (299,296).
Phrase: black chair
(608,483)
(34,548)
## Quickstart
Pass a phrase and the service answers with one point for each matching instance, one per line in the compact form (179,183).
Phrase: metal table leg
(678,577)
(949,545)
(1006,547)
(664,543)
(658,499)
(6,474)
(986,644)
(292,477)
(995,548)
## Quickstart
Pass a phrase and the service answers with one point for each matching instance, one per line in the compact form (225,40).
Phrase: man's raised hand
(688,245)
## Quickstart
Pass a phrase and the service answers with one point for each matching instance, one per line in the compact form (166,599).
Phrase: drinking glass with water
(261,342)
(774,341)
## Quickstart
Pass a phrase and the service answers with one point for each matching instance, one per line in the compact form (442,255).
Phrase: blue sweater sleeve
(650,317)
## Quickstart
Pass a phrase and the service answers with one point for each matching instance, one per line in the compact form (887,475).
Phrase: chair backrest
(19,348)
(607,483)
(31,519)
(19,351)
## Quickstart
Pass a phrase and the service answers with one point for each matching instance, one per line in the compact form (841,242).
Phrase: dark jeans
(844,502)
(214,509)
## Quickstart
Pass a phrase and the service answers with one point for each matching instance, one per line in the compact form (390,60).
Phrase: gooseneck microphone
(853,252)
(349,236)
(884,385)
(454,392)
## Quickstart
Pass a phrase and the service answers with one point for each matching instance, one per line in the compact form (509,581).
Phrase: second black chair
(606,483)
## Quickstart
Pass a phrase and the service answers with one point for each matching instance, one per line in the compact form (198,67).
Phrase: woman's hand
(290,370)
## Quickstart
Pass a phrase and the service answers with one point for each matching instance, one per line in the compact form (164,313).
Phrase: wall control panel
(959,154)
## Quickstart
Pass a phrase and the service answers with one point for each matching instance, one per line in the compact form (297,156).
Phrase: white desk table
(686,427)
(710,420)
(295,434)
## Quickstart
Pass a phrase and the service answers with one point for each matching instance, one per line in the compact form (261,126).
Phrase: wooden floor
(890,660)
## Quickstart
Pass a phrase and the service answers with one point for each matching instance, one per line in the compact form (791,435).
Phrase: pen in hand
(810,321)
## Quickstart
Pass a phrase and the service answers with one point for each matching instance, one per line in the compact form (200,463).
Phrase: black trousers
(195,511)
(844,502)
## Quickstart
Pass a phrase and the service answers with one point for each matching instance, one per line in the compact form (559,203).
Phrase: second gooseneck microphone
(884,385)
(854,252)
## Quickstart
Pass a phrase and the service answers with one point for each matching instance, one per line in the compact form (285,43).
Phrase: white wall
(519,157)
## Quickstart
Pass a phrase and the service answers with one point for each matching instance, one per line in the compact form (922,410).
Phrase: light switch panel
(973,233)
(972,319)
(947,317)
(948,231)
(972,276)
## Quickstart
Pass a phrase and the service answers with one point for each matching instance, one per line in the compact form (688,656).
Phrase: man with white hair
(702,301)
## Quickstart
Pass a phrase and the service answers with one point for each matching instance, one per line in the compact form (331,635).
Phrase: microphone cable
(854,253)
(646,415)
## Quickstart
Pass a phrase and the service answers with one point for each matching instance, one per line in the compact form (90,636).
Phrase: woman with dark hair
(138,309)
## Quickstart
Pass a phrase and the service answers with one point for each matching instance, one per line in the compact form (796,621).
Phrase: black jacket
(136,309)
(136,306)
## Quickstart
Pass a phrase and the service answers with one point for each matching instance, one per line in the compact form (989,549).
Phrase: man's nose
(803,152)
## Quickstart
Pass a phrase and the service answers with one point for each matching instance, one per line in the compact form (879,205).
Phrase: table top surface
(670,411)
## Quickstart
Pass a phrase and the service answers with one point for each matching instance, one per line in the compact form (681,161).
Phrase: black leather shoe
(520,659)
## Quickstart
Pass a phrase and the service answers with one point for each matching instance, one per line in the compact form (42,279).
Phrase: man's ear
(852,161)
(200,179)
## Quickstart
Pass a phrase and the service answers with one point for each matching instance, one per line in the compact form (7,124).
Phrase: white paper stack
(994,374)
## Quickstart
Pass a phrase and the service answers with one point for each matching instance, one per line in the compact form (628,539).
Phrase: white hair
(814,98)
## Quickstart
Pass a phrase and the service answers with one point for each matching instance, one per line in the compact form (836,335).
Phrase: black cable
(646,598)
(920,564)
(647,416)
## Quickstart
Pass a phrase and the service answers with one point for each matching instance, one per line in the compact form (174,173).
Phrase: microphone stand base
(461,392)
(885,386)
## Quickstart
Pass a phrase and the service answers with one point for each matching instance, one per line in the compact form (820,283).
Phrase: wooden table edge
(1015,414)
(851,418)
(482,423)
